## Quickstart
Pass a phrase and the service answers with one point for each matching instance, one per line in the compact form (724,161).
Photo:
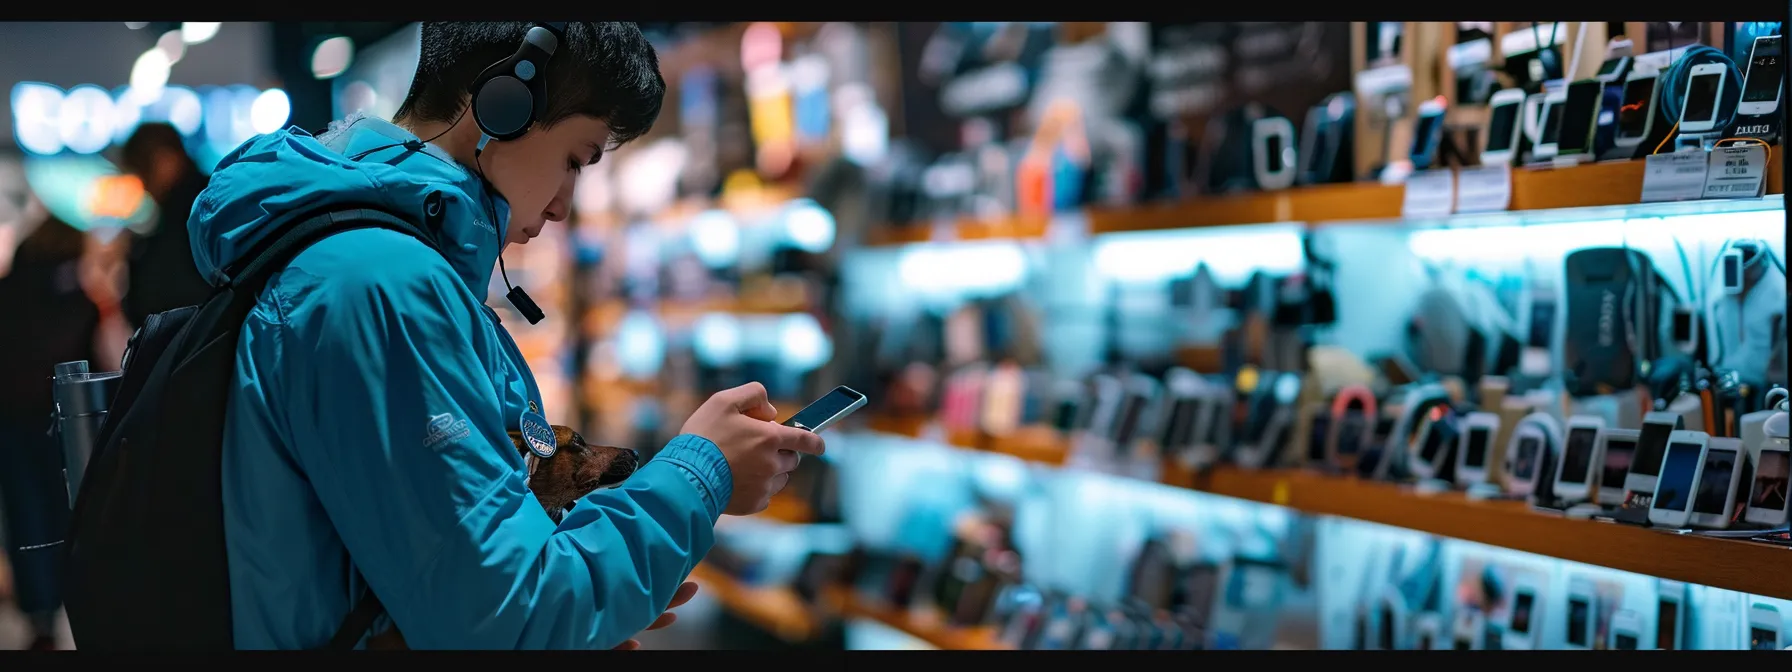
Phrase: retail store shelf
(1722,563)
(776,610)
(926,626)
(1590,185)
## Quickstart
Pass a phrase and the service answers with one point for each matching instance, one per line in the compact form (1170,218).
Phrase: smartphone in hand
(829,409)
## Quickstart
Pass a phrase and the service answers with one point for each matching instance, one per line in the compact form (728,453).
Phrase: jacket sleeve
(400,428)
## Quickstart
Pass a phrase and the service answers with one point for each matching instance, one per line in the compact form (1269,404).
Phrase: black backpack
(146,559)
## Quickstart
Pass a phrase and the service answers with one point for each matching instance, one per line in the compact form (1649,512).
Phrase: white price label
(1679,176)
(1736,172)
(1430,193)
(1484,189)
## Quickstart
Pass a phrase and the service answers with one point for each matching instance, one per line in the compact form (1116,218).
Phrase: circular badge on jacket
(537,434)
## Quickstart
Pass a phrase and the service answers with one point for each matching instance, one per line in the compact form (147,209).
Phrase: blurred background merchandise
(1103,283)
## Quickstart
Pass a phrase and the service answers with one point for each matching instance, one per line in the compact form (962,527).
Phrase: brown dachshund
(576,469)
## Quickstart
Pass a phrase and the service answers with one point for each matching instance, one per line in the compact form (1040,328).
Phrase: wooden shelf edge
(1730,564)
(776,610)
(931,630)
(1605,183)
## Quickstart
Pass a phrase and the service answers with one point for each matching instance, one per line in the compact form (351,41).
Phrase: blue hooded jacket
(367,436)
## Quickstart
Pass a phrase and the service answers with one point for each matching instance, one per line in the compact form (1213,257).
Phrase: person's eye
(575,165)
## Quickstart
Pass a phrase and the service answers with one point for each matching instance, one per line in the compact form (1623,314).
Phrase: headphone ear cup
(503,107)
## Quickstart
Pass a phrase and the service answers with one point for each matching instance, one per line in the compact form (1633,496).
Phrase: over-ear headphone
(511,95)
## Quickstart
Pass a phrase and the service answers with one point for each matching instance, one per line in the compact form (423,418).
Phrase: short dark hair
(151,138)
(604,70)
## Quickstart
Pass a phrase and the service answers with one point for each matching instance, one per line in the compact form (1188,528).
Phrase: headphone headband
(509,96)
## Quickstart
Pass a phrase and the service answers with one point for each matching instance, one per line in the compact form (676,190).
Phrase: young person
(367,436)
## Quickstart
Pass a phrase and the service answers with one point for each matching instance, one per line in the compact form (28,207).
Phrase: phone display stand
(1631,515)
(1485,491)
(1763,127)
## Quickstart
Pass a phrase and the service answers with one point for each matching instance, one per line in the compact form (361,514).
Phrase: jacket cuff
(706,467)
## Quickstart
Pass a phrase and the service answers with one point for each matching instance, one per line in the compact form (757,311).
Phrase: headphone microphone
(506,100)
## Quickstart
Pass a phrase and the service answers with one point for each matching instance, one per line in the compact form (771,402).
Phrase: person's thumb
(750,400)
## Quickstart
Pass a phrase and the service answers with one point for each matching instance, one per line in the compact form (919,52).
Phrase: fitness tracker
(1580,457)
(1636,114)
(1505,111)
(1714,497)
(1272,153)
(1545,147)
(1533,442)
(1681,468)
(1616,449)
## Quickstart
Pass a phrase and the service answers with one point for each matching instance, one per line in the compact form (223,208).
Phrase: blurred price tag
(1484,189)
(1679,176)
(1279,496)
(1429,193)
(1736,172)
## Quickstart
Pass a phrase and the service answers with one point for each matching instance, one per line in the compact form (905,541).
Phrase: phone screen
(1764,72)
(1714,483)
(826,410)
(1667,625)
(1701,98)
(1272,152)
(1763,639)
(1617,462)
(1476,452)
(1524,464)
(1552,122)
(1650,444)
(1499,130)
(1577,116)
(1633,111)
(1674,489)
(1577,621)
(1521,612)
(1770,481)
(1577,459)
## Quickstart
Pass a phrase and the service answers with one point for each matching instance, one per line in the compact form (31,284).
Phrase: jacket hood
(361,161)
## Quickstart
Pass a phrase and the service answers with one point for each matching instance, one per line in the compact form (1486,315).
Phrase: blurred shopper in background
(162,273)
(49,319)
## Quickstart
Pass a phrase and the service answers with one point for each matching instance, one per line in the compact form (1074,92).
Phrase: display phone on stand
(1767,496)
(1763,627)
(1761,83)
(1670,616)
(1724,471)
(1626,631)
(1579,634)
(1698,111)
(1645,463)
(1680,473)
(829,409)
(1525,616)
(1616,450)
(1579,459)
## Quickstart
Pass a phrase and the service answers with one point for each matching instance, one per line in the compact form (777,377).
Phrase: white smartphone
(1617,447)
(1767,496)
(1478,432)
(1524,615)
(1272,153)
(1763,627)
(1714,499)
(1651,447)
(1626,631)
(1704,90)
(1680,472)
(1504,127)
(1531,443)
(1575,475)
(1579,634)
(829,409)
(1554,103)
(1470,631)
(1670,615)
(1761,83)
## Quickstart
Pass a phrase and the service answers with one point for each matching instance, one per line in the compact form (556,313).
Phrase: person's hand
(761,453)
(684,594)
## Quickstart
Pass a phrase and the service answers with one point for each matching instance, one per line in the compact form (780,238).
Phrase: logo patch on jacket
(445,428)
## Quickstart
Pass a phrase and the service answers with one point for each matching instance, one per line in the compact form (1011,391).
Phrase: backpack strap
(251,272)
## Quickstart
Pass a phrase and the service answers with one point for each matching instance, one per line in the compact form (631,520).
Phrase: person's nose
(561,205)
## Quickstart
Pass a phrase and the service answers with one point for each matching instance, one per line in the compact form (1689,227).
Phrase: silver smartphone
(829,409)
